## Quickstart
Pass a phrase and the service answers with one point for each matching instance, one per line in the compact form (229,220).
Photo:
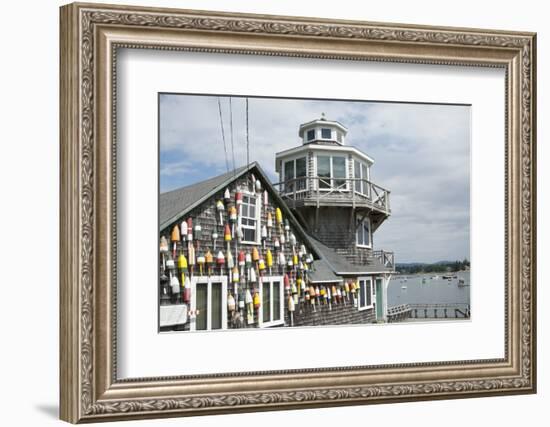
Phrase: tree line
(438,267)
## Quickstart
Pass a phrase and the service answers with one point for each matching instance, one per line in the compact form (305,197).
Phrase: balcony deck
(320,191)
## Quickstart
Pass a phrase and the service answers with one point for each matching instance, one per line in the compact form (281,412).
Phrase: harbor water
(429,289)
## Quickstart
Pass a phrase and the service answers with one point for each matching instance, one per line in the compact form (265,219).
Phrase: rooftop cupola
(323,132)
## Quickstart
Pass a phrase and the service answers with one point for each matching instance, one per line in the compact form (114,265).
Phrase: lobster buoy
(182,265)
(175,284)
(269,223)
(281,260)
(220,208)
(189,229)
(214,239)
(264,235)
(201,261)
(252,275)
(183,230)
(209,259)
(266,201)
(175,238)
(256,300)
(232,214)
(238,197)
(261,265)
(291,306)
(192,260)
(248,261)
(229,260)
(230,302)
(163,244)
(240,233)
(220,261)
(278,216)
(283,240)
(227,233)
(255,254)
(249,307)
(227,195)
(235,275)
(286,281)
(197,232)
(187,290)
(292,239)
(258,185)
(295,259)
(269,260)
(170,264)
(241,261)
(277,244)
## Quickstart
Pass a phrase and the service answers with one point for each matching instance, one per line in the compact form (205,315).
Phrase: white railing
(322,189)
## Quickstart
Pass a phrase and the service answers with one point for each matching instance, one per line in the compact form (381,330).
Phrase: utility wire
(223,135)
(247,138)
(231,128)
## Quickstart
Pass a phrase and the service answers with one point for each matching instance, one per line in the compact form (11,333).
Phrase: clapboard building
(238,251)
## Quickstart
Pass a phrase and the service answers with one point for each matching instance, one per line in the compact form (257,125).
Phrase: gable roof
(176,203)
(173,205)
(340,265)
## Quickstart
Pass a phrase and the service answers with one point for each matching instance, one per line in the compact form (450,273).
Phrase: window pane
(362,293)
(289,174)
(323,171)
(201,298)
(369,297)
(249,234)
(357,174)
(339,170)
(366,234)
(364,175)
(265,301)
(310,134)
(325,133)
(216,305)
(359,233)
(276,300)
(300,172)
(339,136)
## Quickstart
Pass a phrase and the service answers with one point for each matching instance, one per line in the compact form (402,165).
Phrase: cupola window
(326,133)
(311,134)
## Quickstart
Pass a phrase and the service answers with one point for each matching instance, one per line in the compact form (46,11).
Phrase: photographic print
(279,212)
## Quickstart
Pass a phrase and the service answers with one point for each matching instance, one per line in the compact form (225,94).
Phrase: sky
(421,154)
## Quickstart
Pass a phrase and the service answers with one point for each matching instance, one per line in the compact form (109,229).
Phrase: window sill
(366,307)
(357,245)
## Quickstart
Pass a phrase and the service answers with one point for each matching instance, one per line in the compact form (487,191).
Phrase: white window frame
(271,323)
(208,280)
(305,178)
(367,171)
(358,224)
(332,178)
(366,306)
(257,218)
(330,138)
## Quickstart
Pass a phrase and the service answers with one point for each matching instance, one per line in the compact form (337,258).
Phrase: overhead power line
(223,135)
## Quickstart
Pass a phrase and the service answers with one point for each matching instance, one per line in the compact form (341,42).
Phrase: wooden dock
(402,312)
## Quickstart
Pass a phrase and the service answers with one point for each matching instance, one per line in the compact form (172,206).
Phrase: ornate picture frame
(90,37)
